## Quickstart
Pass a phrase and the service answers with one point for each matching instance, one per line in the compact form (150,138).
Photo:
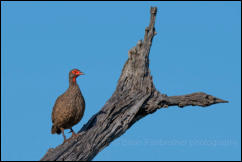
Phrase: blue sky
(197,48)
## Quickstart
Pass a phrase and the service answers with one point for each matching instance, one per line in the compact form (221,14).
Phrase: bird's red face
(76,73)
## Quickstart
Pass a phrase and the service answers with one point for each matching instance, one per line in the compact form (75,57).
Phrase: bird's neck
(72,82)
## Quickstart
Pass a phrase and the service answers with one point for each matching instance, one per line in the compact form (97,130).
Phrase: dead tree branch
(135,97)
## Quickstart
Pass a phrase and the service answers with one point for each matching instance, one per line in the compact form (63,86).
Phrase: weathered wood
(135,97)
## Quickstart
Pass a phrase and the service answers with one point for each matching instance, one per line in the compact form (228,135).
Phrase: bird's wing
(56,109)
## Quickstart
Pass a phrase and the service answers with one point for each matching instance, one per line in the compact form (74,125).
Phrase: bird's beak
(80,73)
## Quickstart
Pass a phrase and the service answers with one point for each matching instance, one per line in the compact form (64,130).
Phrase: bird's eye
(74,71)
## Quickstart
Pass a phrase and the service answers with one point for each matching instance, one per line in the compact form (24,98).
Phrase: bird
(69,107)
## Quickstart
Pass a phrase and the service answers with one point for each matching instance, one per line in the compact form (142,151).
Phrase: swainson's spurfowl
(69,107)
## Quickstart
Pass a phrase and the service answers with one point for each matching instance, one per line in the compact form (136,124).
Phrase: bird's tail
(55,129)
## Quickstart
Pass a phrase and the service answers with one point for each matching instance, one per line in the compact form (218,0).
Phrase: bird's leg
(73,133)
(62,131)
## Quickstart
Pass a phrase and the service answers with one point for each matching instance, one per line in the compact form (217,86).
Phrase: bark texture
(135,97)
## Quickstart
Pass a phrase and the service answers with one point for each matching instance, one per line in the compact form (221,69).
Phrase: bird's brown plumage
(69,107)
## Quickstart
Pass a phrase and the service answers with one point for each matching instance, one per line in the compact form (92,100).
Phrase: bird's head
(74,73)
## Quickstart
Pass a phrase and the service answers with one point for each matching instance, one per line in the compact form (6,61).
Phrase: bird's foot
(74,135)
(66,140)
